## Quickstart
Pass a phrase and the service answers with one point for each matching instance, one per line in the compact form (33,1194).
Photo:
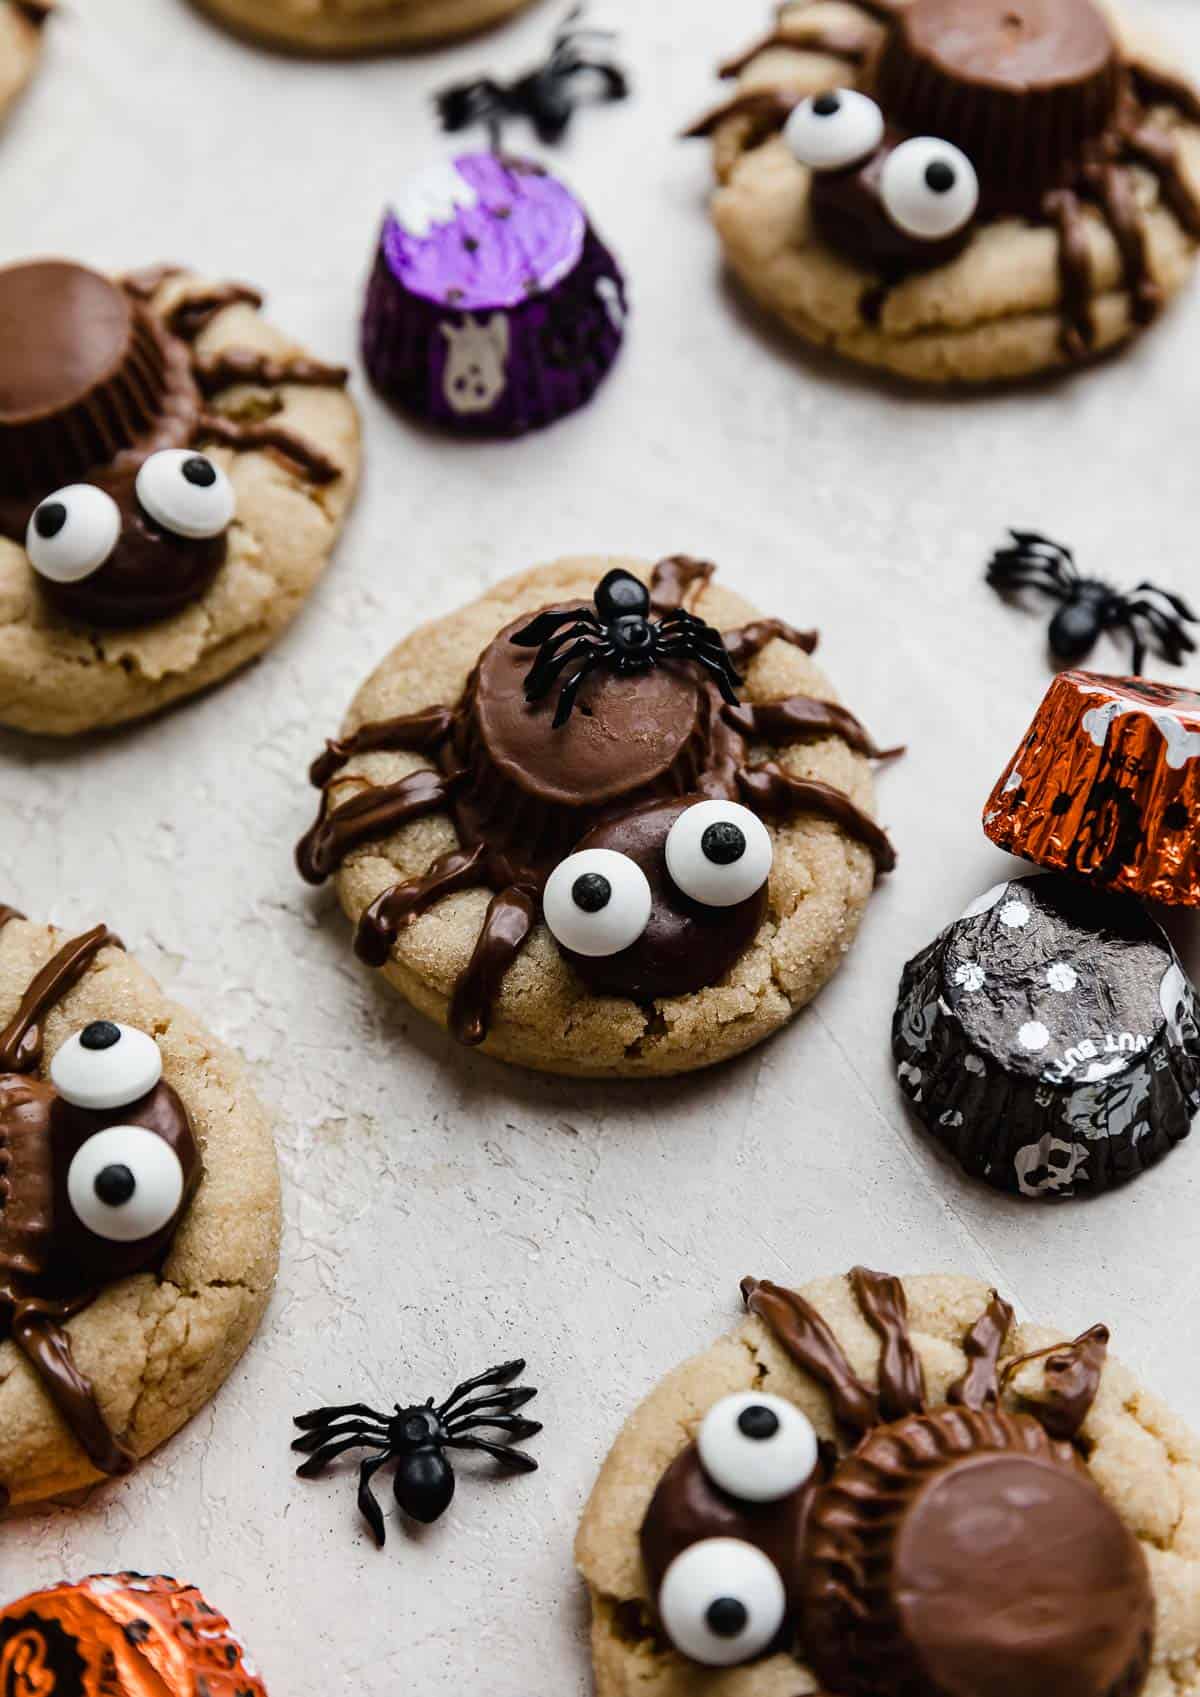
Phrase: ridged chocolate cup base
(1022,86)
(1043,1091)
(966,1551)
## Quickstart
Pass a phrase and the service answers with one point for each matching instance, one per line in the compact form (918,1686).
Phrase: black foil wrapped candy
(1050,1039)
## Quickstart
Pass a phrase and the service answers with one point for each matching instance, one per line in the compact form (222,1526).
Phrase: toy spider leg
(1033,562)
(1166,626)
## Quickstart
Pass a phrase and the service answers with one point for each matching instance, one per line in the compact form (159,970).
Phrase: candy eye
(186,492)
(929,188)
(834,129)
(597,902)
(721,1602)
(106,1066)
(757,1448)
(719,853)
(72,533)
(125,1184)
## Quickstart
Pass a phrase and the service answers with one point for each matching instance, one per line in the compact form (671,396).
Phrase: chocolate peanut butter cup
(1049,1039)
(964,1553)
(85,373)
(1106,786)
(1022,86)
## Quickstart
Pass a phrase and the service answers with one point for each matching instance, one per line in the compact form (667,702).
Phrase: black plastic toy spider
(548,95)
(1090,607)
(416,1438)
(621,635)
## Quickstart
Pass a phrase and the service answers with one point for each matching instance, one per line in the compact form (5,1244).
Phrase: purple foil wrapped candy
(493,307)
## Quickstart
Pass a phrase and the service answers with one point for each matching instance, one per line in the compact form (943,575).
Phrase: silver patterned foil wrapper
(1106,785)
(1050,1039)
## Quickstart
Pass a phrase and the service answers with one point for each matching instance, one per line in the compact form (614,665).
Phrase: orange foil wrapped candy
(1106,786)
(122,1635)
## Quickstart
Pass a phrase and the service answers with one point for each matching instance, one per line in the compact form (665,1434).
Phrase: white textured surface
(445,1212)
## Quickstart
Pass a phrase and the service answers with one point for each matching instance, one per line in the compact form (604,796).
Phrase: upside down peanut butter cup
(535,790)
(1106,786)
(85,373)
(965,1553)
(1022,86)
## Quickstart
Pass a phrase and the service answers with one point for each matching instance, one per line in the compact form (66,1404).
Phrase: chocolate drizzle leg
(594,744)
(308,460)
(807,1338)
(48,1349)
(885,1309)
(979,1386)
(1072,1375)
(8,913)
(248,365)
(510,918)
(1064,211)
(21,1039)
(192,315)
(748,641)
(776,794)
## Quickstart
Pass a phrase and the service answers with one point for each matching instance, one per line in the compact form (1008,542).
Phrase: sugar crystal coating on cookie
(122,1635)
(1049,1039)
(934,1545)
(493,306)
(1106,786)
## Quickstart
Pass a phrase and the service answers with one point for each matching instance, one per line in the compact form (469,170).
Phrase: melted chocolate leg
(1112,189)
(1063,209)
(674,579)
(748,640)
(979,1387)
(248,365)
(371,813)
(1073,1374)
(768,109)
(301,455)
(389,913)
(845,41)
(510,918)
(21,1039)
(410,733)
(48,1349)
(881,1298)
(800,716)
(806,1337)
(1157,150)
(776,794)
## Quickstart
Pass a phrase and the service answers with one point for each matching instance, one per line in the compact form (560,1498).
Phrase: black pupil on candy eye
(727,1617)
(591,892)
(200,471)
(825,105)
(939,176)
(758,1423)
(723,843)
(115,1184)
(100,1034)
(50,518)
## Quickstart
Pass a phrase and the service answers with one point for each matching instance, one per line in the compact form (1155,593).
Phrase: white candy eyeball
(757,1448)
(929,188)
(106,1066)
(719,853)
(186,492)
(597,902)
(72,532)
(832,130)
(722,1602)
(125,1184)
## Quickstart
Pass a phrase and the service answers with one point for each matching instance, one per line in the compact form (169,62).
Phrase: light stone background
(444,1212)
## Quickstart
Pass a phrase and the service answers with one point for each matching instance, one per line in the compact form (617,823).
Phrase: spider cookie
(122,1635)
(357,26)
(879,1487)
(958,190)
(605,820)
(21,25)
(173,476)
(139,1211)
